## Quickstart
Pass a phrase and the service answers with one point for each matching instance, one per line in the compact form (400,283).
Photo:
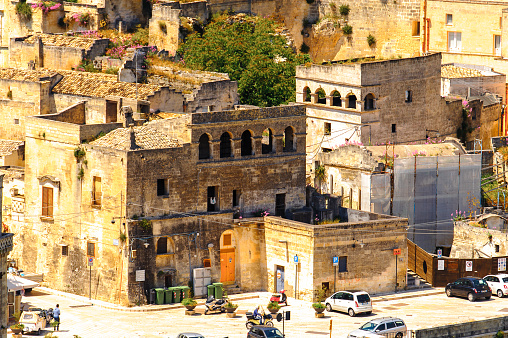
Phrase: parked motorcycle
(280,298)
(215,305)
(251,321)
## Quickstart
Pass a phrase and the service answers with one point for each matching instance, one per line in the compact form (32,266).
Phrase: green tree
(252,53)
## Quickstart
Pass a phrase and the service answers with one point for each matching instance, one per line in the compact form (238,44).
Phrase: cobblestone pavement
(419,310)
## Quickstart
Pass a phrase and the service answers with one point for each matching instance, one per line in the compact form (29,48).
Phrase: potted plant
(17,328)
(319,307)
(273,307)
(189,303)
(230,307)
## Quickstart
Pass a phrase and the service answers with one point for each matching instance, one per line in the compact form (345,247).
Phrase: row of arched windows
(246,144)
(336,99)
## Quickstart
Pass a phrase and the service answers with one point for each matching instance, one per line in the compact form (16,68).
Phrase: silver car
(387,326)
(351,302)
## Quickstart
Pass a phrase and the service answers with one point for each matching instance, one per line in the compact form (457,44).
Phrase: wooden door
(227,265)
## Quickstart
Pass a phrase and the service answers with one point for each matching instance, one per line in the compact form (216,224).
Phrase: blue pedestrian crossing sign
(439,253)
(335,261)
(295,259)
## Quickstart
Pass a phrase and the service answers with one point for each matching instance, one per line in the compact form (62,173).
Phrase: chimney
(39,53)
(127,115)
(133,136)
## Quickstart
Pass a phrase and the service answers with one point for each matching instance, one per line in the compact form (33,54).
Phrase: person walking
(56,316)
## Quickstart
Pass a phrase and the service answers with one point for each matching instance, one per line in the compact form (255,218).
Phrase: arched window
(267,141)
(246,143)
(306,94)
(351,101)
(162,245)
(321,96)
(369,102)
(289,140)
(225,145)
(336,101)
(204,147)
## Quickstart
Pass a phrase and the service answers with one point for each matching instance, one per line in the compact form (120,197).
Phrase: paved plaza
(418,309)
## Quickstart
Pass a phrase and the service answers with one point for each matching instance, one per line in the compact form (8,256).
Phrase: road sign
(439,253)
(295,259)
(140,275)
(335,261)
(396,251)
(90,261)
(469,265)
(279,275)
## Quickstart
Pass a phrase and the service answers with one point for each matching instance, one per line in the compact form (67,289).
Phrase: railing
(6,242)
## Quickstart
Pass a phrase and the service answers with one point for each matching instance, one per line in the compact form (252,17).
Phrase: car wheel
(328,308)
(500,293)
(399,335)
(470,297)
(249,325)
(206,311)
(351,312)
(39,332)
(270,324)
(448,292)
(368,313)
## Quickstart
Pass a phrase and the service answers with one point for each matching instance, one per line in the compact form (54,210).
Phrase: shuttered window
(47,202)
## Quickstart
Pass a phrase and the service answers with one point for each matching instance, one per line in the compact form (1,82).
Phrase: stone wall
(5,247)
(473,242)
(213,96)
(370,259)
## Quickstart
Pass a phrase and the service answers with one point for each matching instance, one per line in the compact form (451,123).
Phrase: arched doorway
(227,257)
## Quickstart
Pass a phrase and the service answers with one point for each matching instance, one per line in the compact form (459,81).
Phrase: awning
(15,283)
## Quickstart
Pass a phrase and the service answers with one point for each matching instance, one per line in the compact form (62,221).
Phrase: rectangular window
(280,205)
(449,19)
(454,41)
(207,263)
(16,121)
(328,128)
(326,150)
(162,187)
(65,250)
(212,203)
(415,28)
(96,191)
(236,198)
(408,96)
(343,264)
(497,45)
(111,111)
(394,128)
(226,239)
(497,247)
(90,249)
(47,202)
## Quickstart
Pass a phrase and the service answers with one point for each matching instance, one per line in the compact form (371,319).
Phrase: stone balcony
(5,243)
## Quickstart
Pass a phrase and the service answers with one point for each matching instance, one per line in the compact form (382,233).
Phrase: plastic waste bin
(159,297)
(152,296)
(210,290)
(218,290)
(168,296)
(185,292)
(177,293)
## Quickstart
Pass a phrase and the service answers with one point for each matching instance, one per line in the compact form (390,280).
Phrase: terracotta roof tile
(25,74)
(100,85)
(454,72)
(8,146)
(145,138)
(62,41)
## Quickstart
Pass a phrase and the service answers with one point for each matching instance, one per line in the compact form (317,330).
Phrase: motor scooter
(251,321)
(280,298)
(215,305)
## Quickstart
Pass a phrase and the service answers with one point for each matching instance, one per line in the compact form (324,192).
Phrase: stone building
(186,192)
(6,245)
(12,153)
(362,241)
(472,240)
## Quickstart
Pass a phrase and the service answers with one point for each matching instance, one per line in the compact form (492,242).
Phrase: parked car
(470,287)
(386,326)
(190,335)
(32,322)
(262,331)
(498,284)
(352,302)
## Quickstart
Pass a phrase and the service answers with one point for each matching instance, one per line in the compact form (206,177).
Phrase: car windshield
(28,316)
(273,333)
(478,282)
(363,298)
(368,326)
(505,279)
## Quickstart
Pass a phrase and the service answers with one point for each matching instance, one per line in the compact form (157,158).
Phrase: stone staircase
(415,282)
(232,289)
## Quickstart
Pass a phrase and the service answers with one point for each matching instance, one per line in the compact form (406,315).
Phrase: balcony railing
(5,243)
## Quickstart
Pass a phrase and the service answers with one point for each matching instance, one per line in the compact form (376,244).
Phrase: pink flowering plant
(459,215)
(83,19)
(418,153)
(118,46)
(261,213)
(46,6)
(91,34)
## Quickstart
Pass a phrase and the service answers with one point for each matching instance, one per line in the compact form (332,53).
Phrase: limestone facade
(369,261)
(474,242)
(6,245)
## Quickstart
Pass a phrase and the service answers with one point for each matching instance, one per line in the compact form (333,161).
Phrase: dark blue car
(471,288)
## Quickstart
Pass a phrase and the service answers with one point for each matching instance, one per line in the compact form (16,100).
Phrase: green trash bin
(177,291)
(218,290)
(159,296)
(210,290)
(168,296)
(185,292)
